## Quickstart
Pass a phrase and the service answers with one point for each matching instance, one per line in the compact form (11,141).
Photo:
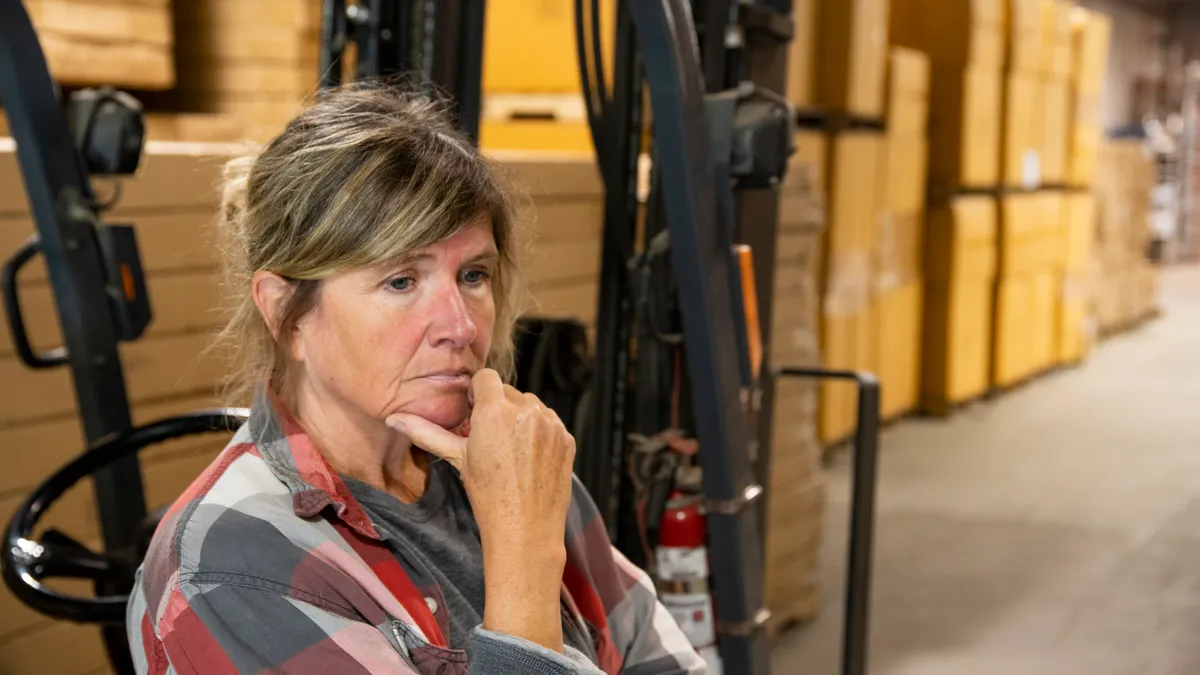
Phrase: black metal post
(468,90)
(666,35)
(64,213)
(862,514)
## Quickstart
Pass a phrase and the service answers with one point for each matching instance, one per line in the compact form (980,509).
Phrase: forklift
(677,397)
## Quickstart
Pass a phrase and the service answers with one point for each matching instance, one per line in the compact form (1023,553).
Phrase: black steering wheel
(26,561)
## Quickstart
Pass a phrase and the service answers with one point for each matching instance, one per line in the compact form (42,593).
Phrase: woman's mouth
(450,378)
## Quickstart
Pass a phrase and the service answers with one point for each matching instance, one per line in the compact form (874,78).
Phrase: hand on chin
(447,410)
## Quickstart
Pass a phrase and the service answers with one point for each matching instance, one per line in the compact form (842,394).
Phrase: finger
(430,437)
(486,386)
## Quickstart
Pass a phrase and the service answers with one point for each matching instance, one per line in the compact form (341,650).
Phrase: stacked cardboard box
(846,316)
(1077,266)
(1055,89)
(1026,286)
(1021,130)
(896,273)
(96,42)
(800,88)
(844,77)
(964,40)
(796,505)
(1090,34)
(960,236)
(1126,279)
(851,63)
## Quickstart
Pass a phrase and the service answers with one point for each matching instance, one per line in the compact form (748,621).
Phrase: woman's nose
(452,321)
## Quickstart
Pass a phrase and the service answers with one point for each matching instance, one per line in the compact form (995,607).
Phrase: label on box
(1031,169)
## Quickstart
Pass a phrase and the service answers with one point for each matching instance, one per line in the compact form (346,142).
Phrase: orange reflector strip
(127,280)
(745,260)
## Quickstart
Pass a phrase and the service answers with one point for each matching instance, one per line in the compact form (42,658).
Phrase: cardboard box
(1055,137)
(899,246)
(1044,313)
(853,208)
(1014,341)
(1075,324)
(1026,326)
(964,128)
(1023,29)
(852,43)
(960,240)
(801,54)
(902,179)
(1091,33)
(847,342)
(907,92)
(1047,249)
(1021,133)
(529,45)
(956,343)
(1078,233)
(535,134)
(95,44)
(969,33)
(960,267)
(1021,225)
(1084,154)
(898,347)
(794,529)
(1056,38)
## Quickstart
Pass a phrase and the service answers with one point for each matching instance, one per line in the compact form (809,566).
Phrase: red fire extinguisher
(683,574)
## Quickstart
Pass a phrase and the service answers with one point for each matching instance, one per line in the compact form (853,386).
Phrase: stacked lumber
(96,42)
(796,493)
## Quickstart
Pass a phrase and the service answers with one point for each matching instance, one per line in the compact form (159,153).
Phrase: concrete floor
(1054,530)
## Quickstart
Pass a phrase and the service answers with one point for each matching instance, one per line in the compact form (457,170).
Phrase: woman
(388,482)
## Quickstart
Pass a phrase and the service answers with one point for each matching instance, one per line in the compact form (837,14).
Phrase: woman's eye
(400,283)
(476,276)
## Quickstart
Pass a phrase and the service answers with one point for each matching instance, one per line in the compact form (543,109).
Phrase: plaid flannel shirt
(266,563)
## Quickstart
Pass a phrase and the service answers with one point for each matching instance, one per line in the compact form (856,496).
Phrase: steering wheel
(27,562)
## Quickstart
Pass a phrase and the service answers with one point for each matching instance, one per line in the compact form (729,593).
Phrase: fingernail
(397,425)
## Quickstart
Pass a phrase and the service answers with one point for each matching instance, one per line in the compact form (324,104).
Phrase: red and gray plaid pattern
(266,563)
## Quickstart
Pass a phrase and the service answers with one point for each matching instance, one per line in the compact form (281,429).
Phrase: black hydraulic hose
(598,60)
(593,108)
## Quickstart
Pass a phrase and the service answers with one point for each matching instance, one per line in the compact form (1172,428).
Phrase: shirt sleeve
(503,654)
(656,645)
(239,628)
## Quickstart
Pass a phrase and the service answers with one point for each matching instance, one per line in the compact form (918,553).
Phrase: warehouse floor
(1055,530)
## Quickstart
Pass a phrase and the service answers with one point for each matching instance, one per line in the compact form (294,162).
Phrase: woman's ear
(270,293)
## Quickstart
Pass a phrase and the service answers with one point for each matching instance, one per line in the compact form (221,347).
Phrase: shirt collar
(294,459)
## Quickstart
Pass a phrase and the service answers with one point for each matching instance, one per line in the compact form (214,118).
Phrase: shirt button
(432,605)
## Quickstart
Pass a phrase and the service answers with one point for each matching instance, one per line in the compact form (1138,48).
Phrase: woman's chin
(446,410)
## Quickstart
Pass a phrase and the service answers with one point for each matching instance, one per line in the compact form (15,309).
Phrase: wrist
(522,588)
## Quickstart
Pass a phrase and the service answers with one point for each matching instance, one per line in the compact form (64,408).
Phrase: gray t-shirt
(439,530)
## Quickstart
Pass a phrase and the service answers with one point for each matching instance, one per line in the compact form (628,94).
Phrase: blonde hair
(361,176)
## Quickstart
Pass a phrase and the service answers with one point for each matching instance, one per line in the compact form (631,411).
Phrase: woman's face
(405,336)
